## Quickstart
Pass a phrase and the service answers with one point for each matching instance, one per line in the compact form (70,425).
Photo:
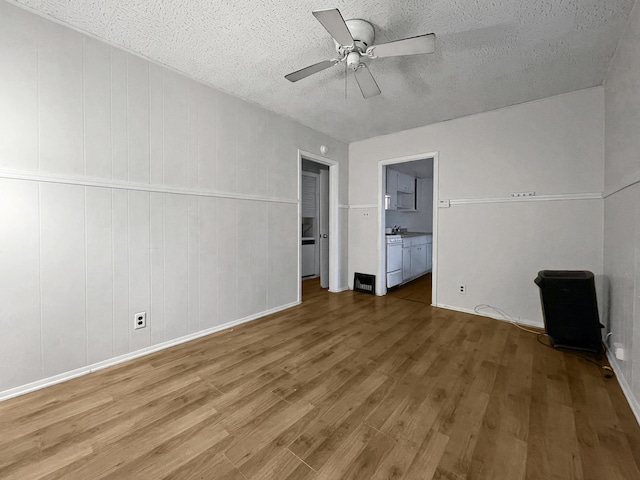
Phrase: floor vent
(365,283)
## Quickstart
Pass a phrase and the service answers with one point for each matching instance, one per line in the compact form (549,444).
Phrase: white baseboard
(63,377)
(521,321)
(339,289)
(626,388)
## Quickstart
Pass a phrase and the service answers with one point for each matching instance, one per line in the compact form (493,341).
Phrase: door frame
(382,241)
(334,223)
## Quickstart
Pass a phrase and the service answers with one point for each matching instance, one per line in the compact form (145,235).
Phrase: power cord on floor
(539,335)
(505,316)
(608,371)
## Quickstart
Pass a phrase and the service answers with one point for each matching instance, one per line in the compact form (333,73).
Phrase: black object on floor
(363,282)
(570,309)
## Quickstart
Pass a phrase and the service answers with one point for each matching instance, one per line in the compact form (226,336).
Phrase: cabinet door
(392,180)
(406,264)
(418,260)
(406,183)
(392,189)
(429,257)
(406,201)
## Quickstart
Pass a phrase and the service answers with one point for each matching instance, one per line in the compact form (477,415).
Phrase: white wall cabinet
(406,201)
(406,183)
(401,191)
(392,190)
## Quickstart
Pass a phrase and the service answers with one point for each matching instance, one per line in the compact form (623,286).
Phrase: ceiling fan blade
(367,84)
(310,70)
(333,22)
(408,46)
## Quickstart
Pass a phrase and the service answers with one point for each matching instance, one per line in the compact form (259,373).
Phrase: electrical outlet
(523,194)
(139,320)
(462,289)
(618,348)
(444,203)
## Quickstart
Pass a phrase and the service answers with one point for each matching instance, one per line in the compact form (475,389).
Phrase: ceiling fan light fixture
(354,39)
(353,60)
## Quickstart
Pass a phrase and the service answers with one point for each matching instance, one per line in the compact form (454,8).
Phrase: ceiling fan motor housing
(362,33)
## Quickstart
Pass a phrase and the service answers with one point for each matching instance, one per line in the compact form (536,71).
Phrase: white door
(324,228)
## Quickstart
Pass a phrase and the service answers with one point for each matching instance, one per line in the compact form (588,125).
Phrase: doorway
(318,220)
(315,222)
(408,223)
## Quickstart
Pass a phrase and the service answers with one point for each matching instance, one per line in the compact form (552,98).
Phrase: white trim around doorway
(381,287)
(334,220)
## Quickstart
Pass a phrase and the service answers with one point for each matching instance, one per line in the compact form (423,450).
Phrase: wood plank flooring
(345,386)
(418,290)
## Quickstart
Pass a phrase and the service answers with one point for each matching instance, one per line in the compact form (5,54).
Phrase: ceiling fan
(354,40)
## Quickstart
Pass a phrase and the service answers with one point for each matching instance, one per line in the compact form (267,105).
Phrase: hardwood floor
(345,386)
(418,290)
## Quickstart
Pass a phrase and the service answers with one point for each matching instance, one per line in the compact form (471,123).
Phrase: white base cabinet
(418,259)
(406,263)
(416,256)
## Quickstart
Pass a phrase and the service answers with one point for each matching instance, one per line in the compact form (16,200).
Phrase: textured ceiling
(489,54)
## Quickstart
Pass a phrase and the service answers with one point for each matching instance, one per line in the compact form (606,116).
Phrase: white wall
(552,146)
(622,205)
(126,187)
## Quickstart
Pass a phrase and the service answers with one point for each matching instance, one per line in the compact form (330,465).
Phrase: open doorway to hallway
(408,227)
(314,219)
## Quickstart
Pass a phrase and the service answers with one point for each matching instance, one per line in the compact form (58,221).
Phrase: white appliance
(394,260)
(308,258)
